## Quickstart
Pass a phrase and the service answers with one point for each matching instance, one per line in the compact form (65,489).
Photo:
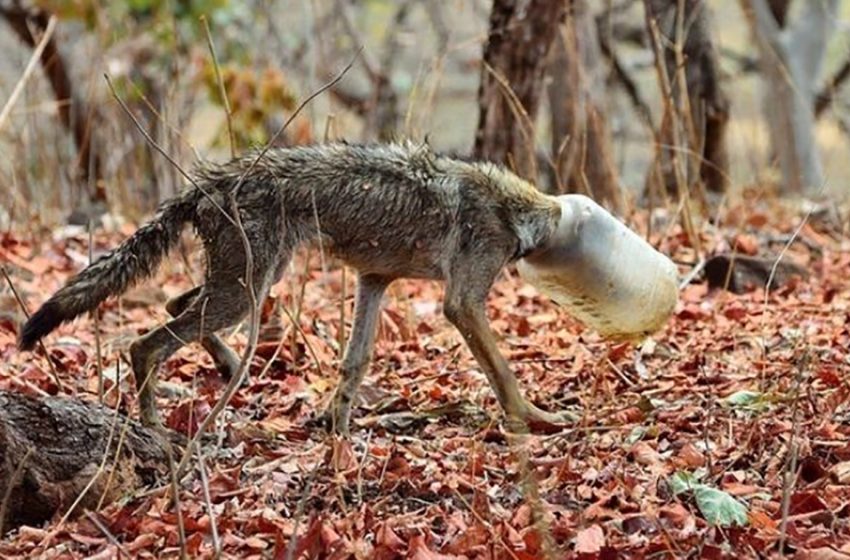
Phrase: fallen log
(742,273)
(52,452)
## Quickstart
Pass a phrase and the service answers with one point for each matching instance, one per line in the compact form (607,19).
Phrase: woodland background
(718,130)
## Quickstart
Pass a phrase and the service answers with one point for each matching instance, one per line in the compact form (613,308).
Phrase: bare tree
(792,60)
(691,65)
(515,59)
(581,143)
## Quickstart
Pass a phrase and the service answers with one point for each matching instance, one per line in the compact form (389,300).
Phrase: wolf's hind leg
(225,359)
(215,308)
(358,352)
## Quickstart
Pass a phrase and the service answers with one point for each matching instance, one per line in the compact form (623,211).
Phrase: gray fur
(389,211)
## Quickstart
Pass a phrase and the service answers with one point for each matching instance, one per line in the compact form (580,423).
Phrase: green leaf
(719,507)
(636,435)
(681,482)
(743,398)
(752,401)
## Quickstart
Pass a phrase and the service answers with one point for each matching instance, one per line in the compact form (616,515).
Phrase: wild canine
(389,211)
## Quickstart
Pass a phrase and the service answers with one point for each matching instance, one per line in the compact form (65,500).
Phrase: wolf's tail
(136,258)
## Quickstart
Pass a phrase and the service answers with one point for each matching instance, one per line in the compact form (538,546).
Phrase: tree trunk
(515,59)
(792,56)
(28,24)
(705,135)
(51,448)
(581,144)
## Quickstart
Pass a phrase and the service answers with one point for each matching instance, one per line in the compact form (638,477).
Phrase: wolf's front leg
(358,352)
(465,309)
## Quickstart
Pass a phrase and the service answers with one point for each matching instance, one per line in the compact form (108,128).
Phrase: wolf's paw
(540,421)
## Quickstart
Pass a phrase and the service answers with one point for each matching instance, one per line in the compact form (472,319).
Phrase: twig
(671,117)
(517,108)
(360,468)
(23,307)
(294,114)
(96,318)
(791,471)
(620,374)
(10,485)
(221,87)
(106,533)
(175,491)
(165,154)
(205,484)
(253,335)
(694,272)
(30,68)
(116,456)
(489,526)
(299,511)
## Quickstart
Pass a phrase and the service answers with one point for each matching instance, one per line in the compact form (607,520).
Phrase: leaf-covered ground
(688,445)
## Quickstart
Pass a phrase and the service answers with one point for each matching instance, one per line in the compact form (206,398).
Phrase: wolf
(390,211)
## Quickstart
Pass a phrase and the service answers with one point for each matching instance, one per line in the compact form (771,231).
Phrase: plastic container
(605,275)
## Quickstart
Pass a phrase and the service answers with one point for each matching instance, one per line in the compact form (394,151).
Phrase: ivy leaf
(752,401)
(719,507)
(681,482)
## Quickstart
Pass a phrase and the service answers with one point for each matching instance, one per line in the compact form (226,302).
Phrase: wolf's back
(136,258)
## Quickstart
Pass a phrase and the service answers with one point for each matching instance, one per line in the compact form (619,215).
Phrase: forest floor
(723,435)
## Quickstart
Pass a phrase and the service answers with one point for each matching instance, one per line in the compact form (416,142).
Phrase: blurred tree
(516,53)
(699,106)
(29,22)
(792,58)
(581,143)
(380,107)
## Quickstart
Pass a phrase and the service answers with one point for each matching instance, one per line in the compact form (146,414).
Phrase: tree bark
(581,143)
(792,56)
(51,448)
(73,112)
(515,59)
(709,105)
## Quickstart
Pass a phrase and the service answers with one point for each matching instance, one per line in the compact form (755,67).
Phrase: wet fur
(389,211)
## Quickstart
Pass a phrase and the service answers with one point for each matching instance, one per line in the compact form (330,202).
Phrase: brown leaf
(590,540)
(690,456)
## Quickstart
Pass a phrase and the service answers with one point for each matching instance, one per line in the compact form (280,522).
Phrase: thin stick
(23,307)
(253,336)
(527,125)
(360,467)
(672,115)
(299,512)
(222,90)
(30,68)
(19,470)
(205,484)
(791,470)
(294,114)
(165,154)
(181,529)
(106,533)
(493,535)
(96,318)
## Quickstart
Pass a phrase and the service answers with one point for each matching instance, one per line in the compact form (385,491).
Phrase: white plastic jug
(606,275)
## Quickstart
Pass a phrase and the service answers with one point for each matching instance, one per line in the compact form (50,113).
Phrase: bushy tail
(136,258)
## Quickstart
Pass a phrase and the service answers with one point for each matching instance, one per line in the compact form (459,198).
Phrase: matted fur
(388,210)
